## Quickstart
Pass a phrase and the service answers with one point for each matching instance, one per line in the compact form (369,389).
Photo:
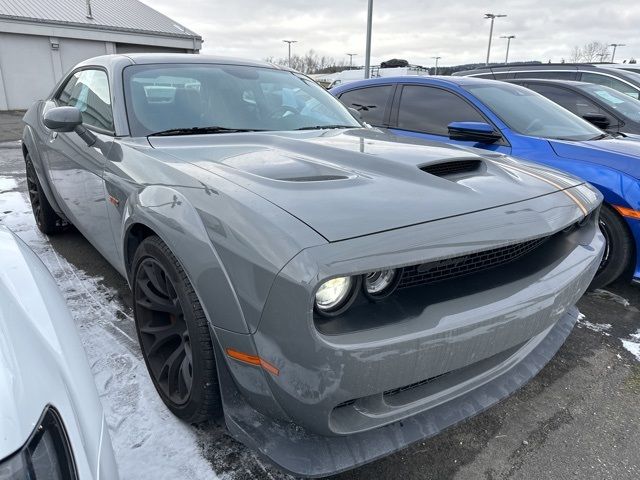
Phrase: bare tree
(590,52)
(310,62)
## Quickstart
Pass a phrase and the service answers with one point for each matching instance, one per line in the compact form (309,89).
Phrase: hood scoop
(454,167)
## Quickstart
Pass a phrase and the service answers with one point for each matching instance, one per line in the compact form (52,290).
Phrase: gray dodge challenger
(332,291)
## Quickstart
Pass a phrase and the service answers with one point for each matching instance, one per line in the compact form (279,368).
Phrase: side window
(568,75)
(431,110)
(572,101)
(610,82)
(371,102)
(88,90)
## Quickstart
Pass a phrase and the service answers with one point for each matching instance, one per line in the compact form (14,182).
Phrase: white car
(52,425)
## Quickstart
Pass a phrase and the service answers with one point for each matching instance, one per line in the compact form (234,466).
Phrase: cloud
(415,30)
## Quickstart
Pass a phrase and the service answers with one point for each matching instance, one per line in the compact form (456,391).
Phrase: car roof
(610,68)
(556,81)
(172,58)
(430,80)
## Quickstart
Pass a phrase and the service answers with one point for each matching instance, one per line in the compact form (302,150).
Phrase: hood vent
(452,168)
(315,178)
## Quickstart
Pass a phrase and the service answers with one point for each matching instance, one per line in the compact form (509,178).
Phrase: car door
(575,102)
(372,102)
(75,169)
(422,111)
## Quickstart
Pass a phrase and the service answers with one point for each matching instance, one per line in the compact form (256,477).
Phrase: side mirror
(478,132)
(62,119)
(68,119)
(599,120)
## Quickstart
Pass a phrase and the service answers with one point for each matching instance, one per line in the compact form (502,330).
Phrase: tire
(618,250)
(174,336)
(47,220)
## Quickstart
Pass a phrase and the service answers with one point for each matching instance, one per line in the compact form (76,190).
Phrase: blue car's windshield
(163,97)
(624,104)
(529,113)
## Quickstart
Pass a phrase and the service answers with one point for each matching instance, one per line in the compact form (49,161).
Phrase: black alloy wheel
(174,334)
(47,220)
(163,331)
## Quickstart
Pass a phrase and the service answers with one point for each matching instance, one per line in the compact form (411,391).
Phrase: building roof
(119,15)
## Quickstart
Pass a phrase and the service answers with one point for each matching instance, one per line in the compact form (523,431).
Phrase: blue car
(513,120)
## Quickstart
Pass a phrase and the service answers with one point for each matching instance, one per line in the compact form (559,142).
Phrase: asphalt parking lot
(579,418)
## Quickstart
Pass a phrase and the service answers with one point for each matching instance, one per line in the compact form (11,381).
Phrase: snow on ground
(150,443)
(633,344)
(596,327)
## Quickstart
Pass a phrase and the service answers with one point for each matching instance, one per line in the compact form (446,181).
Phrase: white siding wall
(26,69)
(29,67)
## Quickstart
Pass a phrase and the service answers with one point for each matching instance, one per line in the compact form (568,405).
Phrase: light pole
(367,57)
(492,16)
(351,55)
(289,42)
(508,37)
(436,59)
(615,46)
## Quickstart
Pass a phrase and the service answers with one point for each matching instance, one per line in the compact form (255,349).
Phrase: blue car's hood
(621,154)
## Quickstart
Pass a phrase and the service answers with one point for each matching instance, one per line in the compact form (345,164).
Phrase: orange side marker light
(628,212)
(253,360)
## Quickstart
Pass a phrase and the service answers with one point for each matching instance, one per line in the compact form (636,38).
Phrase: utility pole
(508,37)
(289,42)
(436,59)
(492,16)
(351,55)
(615,46)
(367,57)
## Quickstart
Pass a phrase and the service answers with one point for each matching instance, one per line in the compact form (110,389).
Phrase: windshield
(529,113)
(182,96)
(628,107)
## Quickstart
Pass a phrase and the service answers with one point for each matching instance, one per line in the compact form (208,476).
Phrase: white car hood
(41,359)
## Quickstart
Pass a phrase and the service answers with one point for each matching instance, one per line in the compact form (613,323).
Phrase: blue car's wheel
(618,250)
(174,334)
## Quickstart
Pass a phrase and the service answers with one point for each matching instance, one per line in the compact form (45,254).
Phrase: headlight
(381,283)
(334,295)
(46,455)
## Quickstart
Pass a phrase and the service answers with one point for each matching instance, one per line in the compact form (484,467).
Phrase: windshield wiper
(201,130)
(322,127)
(600,137)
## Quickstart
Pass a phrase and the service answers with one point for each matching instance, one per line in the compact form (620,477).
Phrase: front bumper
(303,453)
(341,399)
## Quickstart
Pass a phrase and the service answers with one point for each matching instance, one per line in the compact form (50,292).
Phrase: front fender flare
(170,215)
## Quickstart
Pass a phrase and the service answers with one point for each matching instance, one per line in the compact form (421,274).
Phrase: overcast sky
(415,30)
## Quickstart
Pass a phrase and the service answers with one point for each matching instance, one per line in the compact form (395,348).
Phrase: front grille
(452,168)
(454,267)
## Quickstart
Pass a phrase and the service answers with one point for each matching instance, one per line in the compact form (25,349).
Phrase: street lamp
(289,42)
(436,59)
(615,46)
(367,55)
(492,16)
(508,37)
(351,55)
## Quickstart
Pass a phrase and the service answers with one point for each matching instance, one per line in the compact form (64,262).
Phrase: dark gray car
(609,75)
(605,107)
(334,291)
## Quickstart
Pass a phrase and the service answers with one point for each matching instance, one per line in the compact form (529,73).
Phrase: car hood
(622,154)
(41,359)
(349,183)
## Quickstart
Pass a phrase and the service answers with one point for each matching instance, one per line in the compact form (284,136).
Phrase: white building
(40,40)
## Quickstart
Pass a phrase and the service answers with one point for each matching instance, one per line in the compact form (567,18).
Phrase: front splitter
(295,450)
